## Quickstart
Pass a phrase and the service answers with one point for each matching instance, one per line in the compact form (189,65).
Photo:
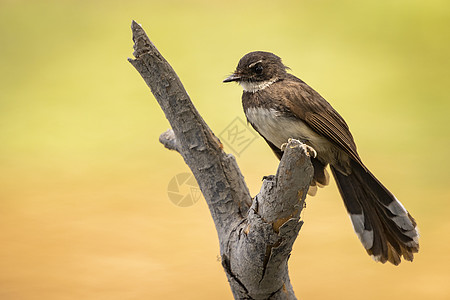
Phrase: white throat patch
(253,87)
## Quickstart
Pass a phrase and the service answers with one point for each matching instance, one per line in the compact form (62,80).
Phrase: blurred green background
(84,211)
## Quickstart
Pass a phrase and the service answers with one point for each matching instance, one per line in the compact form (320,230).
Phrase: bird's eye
(258,69)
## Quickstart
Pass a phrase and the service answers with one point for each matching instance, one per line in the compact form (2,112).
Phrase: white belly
(278,129)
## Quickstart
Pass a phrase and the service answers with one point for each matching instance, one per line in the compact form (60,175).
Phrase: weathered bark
(255,235)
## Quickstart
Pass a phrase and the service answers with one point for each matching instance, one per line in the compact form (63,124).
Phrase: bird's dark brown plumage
(281,106)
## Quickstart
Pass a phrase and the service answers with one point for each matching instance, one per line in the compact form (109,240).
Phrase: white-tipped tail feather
(385,228)
(364,235)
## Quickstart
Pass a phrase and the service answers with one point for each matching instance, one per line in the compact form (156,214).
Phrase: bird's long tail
(384,227)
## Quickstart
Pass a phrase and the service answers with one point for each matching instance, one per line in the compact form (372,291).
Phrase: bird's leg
(308,149)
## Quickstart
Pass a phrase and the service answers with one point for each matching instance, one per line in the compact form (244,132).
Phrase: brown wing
(306,104)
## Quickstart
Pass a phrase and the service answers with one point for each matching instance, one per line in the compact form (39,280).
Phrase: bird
(280,106)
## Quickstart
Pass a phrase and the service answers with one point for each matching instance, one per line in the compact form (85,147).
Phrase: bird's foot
(310,151)
(284,145)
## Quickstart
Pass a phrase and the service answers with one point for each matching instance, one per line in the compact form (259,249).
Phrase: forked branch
(255,235)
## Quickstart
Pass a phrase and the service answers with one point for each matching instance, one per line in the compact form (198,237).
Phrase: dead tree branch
(255,235)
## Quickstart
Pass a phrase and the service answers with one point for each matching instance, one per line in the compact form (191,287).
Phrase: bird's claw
(284,145)
(310,151)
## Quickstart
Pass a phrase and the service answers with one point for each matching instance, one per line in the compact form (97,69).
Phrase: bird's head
(257,70)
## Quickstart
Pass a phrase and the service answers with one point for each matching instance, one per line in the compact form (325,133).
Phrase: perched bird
(280,106)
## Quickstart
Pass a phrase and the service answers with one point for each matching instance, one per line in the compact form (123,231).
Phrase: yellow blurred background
(84,209)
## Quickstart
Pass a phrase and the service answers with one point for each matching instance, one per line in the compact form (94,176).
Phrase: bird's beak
(232,77)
